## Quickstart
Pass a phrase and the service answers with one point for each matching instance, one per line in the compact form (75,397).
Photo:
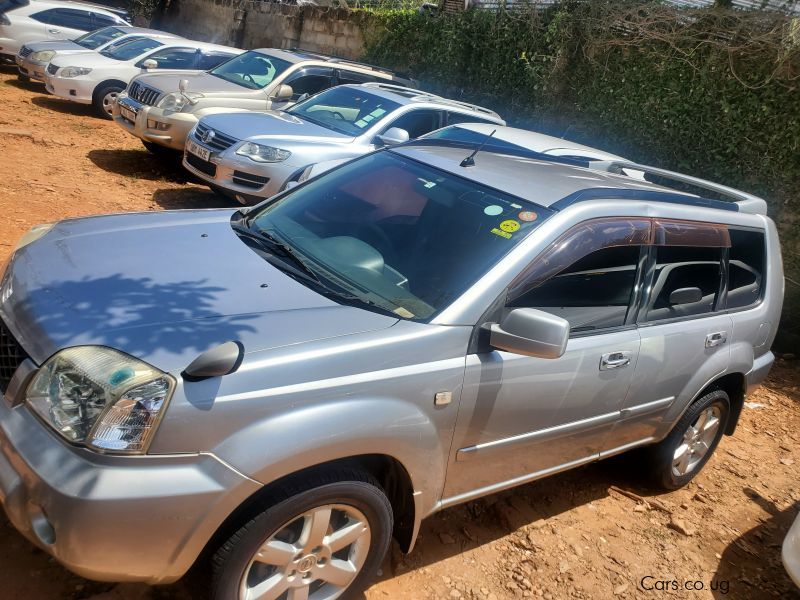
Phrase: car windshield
(395,235)
(253,70)
(95,39)
(126,50)
(347,110)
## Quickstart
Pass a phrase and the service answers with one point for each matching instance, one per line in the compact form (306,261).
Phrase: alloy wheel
(697,440)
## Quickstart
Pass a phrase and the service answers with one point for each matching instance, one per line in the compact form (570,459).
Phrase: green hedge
(714,93)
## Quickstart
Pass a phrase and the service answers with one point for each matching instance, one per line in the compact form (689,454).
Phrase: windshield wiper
(270,243)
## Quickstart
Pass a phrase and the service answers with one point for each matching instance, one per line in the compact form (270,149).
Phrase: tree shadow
(140,315)
(191,197)
(140,164)
(64,106)
(751,564)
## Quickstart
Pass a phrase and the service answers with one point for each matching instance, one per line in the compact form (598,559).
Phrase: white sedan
(34,20)
(98,77)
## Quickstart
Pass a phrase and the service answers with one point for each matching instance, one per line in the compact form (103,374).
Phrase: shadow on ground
(191,197)
(62,106)
(140,164)
(751,565)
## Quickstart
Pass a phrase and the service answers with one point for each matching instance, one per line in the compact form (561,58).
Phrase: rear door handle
(615,360)
(716,339)
(54,31)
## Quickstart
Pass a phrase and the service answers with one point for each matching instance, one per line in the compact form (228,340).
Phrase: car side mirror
(284,92)
(688,295)
(183,85)
(393,136)
(530,332)
(150,64)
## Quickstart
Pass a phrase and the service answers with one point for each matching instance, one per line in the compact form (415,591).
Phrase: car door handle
(716,339)
(615,360)
(54,31)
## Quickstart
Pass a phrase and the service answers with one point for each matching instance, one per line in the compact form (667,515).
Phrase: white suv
(98,77)
(31,21)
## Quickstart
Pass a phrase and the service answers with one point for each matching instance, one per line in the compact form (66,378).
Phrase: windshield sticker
(402,312)
(361,123)
(509,226)
(493,210)
(501,233)
(527,215)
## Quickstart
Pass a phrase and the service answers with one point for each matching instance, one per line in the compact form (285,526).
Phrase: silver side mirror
(284,92)
(530,332)
(393,136)
(150,64)
(183,85)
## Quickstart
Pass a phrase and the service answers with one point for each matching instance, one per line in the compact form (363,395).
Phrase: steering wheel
(336,116)
(248,77)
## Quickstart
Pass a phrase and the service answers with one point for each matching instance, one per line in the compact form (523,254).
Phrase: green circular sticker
(493,210)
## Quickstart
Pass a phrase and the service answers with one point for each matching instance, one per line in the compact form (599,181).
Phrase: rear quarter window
(745,268)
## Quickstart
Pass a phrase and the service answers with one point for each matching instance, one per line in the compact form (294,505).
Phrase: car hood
(163,287)
(271,124)
(90,59)
(198,82)
(57,45)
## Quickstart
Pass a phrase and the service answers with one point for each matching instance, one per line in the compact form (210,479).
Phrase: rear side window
(745,268)
(103,21)
(686,282)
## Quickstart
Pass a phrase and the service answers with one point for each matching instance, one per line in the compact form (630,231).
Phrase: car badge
(208,136)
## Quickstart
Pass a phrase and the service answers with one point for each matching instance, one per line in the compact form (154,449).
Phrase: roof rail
(421,94)
(339,60)
(496,149)
(605,193)
(746,203)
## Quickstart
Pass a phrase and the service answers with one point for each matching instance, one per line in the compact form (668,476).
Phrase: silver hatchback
(283,389)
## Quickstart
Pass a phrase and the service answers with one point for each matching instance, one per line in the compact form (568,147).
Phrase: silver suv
(160,109)
(285,388)
(252,156)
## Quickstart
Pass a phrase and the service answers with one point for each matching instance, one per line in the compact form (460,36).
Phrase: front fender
(293,441)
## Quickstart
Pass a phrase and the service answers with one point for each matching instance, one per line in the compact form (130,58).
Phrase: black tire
(99,98)
(659,458)
(351,488)
(23,78)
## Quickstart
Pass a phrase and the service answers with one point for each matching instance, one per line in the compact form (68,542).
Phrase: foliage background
(710,92)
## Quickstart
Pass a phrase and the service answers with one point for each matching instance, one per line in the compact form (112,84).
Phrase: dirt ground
(592,533)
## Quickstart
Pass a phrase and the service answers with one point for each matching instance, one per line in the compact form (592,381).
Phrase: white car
(35,20)
(33,57)
(98,77)
(790,552)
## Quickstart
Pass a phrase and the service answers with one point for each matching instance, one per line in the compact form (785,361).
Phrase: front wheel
(676,460)
(104,98)
(325,539)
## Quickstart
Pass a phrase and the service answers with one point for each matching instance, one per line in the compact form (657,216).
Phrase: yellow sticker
(501,233)
(509,226)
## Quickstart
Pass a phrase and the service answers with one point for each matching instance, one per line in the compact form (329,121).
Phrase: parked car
(501,137)
(34,57)
(24,21)
(284,388)
(790,552)
(251,156)
(98,78)
(160,110)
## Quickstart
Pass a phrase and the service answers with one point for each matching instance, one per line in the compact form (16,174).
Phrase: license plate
(127,113)
(198,150)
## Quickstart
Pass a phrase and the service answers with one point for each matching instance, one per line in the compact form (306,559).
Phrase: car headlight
(43,55)
(101,398)
(260,153)
(74,71)
(176,101)
(33,234)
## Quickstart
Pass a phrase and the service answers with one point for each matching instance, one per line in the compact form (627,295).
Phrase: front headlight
(100,397)
(74,71)
(260,153)
(33,234)
(175,102)
(43,55)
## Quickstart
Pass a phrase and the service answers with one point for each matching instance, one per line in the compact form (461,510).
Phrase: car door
(522,417)
(684,340)
(65,23)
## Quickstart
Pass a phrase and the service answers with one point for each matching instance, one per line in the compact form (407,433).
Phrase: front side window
(593,293)
(347,110)
(308,82)
(209,60)
(253,70)
(353,77)
(454,118)
(173,58)
(127,50)
(388,232)
(95,39)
